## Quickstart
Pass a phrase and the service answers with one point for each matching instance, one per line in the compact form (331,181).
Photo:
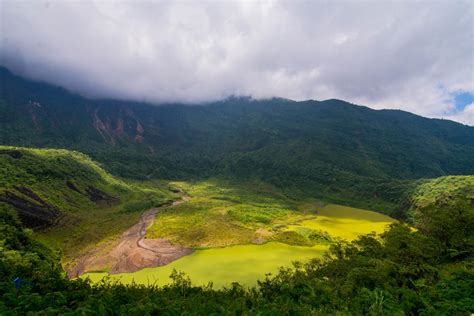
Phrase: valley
(217,223)
(236,158)
(237,203)
(294,237)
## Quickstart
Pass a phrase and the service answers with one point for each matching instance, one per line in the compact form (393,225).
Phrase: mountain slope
(445,207)
(69,198)
(330,149)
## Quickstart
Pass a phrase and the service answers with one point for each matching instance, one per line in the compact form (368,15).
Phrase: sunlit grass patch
(240,216)
(219,214)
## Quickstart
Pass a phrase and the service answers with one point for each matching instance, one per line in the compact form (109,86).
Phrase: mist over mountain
(236,157)
(398,55)
(331,148)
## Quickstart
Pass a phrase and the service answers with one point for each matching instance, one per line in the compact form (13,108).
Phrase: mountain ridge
(331,149)
(5,71)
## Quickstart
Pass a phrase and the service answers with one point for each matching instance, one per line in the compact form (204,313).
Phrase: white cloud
(407,55)
(465,116)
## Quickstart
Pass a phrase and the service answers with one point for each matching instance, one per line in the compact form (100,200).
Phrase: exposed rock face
(15,154)
(96,195)
(33,211)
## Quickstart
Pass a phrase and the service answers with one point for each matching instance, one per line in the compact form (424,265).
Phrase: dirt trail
(132,252)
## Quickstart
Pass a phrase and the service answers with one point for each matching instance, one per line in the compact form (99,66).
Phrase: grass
(243,263)
(288,230)
(220,213)
(248,263)
(223,213)
(61,180)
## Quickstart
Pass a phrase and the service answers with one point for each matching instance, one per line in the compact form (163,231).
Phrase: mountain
(329,149)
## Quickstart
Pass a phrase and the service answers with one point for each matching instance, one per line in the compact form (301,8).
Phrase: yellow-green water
(248,263)
(346,222)
(243,263)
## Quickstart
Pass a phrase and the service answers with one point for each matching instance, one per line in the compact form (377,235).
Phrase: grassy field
(222,214)
(248,263)
(222,266)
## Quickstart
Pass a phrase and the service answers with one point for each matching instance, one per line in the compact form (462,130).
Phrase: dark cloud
(410,55)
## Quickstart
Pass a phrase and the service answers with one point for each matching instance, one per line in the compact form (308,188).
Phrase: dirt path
(132,252)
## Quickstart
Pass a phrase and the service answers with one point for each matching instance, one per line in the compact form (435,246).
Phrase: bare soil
(132,252)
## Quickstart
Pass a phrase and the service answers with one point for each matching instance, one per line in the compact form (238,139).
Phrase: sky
(416,56)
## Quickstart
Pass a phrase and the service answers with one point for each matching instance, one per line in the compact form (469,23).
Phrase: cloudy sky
(412,55)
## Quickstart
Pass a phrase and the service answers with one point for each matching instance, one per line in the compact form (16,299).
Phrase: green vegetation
(330,150)
(449,190)
(302,230)
(272,163)
(71,200)
(400,272)
(74,204)
(432,211)
(222,213)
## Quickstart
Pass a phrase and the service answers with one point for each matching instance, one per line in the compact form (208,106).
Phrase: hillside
(445,207)
(450,191)
(331,149)
(69,199)
(402,271)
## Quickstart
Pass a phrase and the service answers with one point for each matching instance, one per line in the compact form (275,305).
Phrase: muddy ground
(132,252)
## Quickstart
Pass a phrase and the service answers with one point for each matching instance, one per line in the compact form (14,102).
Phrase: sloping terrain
(70,199)
(445,207)
(330,149)
(449,191)
(74,204)
(131,252)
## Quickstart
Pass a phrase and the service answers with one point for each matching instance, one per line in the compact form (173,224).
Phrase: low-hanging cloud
(413,56)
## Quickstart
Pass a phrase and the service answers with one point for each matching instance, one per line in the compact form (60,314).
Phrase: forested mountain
(331,149)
